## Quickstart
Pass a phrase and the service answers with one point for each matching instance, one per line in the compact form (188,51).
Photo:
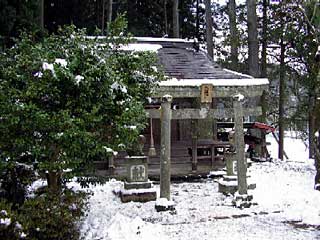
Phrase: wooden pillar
(194,126)
(165,158)
(152,150)
(239,143)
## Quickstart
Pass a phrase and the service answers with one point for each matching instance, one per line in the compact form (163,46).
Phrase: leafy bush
(45,217)
(14,178)
(10,229)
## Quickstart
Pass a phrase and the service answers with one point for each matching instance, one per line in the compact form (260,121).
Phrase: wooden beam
(218,91)
(189,113)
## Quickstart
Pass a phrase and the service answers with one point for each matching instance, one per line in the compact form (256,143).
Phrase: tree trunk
(263,99)
(316,145)
(233,34)
(54,181)
(253,46)
(41,14)
(165,17)
(197,21)
(312,122)
(54,176)
(103,15)
(175,18)
(209,25)
(264,39)
(281,99)
(109,13)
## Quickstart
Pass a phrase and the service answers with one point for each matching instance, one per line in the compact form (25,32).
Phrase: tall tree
(41,14)
(253,45)
(165,16)
(197,19)
(175,18)
(103,16)
(234,41)
(282,88)
(264,38)
(109,13)
(209,26)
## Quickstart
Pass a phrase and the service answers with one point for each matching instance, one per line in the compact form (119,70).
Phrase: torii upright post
(165,158)
(239,143)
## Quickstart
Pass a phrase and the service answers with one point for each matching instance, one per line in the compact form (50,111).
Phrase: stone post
(165,151)
(239,143)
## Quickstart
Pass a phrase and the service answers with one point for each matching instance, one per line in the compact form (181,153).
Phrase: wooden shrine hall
(202,99)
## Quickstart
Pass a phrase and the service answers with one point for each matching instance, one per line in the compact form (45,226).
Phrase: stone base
(137,185)
(137,192)
(163,204)
(229,185)
(243,201)
(138,197)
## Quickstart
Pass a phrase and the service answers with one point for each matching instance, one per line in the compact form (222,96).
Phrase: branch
(313,29)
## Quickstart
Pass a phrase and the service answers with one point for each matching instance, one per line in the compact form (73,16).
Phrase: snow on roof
(141,47)
(215,82)
(237,73)
(153,39)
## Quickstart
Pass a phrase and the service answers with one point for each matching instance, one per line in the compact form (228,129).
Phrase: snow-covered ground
(287,207)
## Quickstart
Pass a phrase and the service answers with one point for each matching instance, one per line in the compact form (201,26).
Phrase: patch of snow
(108,150)
(62,62)
(164,202)
(126,228)
(117,86)
(18,226)
(5,221)
(131,127)
(78,79)
(239,97)
(4,212)
(38,74)
(35,186)
(228,183)
(23,235)
(60,134)
(47,66)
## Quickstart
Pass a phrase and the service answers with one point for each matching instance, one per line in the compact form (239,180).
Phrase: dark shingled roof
(181,60)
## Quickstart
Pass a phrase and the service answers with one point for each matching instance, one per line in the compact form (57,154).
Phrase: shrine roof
(187,65)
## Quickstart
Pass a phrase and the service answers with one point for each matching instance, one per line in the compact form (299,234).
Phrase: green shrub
(45,217)
(10,228)
(52,216)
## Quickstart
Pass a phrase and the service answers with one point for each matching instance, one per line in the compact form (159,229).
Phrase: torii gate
(205,91)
